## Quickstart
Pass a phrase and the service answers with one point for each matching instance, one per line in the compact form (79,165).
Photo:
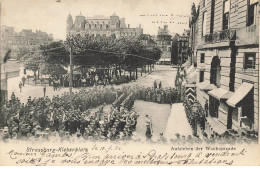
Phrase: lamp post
(71,74)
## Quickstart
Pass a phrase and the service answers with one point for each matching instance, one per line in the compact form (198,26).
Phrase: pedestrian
(23,79)
(160,85)
(20,86)
(44,90)
(154,84)
(96,80)
(206,107)
(149,129)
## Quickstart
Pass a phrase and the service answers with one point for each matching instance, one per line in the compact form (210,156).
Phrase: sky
(50,16)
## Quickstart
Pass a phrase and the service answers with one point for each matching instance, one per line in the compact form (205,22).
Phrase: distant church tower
(80,22)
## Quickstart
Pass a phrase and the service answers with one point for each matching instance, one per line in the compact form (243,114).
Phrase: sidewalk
(177,122)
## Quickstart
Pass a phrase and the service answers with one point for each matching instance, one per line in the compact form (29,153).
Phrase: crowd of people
(158,95)
(100,114)
(90,79)
(195,114)
(43,117)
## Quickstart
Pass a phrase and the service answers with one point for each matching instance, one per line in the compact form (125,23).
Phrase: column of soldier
(228,137)
(158,94)
(42,119)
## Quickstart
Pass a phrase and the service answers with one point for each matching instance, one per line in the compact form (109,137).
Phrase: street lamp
(71,73)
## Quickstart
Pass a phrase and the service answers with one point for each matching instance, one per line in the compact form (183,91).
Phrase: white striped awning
(239,94)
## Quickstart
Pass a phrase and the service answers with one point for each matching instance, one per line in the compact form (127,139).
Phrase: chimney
(139,25)
(128,25)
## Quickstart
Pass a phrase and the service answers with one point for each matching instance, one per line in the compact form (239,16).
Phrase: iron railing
(221,36)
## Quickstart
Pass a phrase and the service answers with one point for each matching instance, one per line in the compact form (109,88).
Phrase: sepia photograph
(129,82)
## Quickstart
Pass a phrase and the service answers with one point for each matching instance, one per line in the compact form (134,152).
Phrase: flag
(7,56)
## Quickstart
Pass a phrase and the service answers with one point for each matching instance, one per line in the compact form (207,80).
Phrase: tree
(193,15)
(33,62)
(55,53)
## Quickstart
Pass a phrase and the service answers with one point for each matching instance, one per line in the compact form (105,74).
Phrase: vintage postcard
(129,83)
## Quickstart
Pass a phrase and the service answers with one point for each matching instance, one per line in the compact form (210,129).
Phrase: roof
(239,94)
(220,93)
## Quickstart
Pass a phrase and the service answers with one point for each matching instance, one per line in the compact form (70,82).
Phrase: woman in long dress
(149,130)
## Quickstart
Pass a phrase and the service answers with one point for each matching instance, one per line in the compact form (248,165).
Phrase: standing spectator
(155,85)
(44,90)
(160,85)
(20,86)
(206,107)
(96,80)
(23,79)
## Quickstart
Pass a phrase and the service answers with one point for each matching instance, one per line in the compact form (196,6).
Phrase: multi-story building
(193,39)
(164,41)
(183,46)
(101,26)
(25,39)
(180,47)
(227,64)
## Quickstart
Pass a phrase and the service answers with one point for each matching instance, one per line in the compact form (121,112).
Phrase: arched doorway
(215,71)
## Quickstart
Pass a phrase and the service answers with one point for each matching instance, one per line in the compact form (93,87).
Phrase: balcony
(222,36)
(247,36)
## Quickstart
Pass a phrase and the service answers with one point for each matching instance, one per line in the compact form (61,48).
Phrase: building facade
(101,26)
(227,53)
(164,41)
(25,39)
(183,46)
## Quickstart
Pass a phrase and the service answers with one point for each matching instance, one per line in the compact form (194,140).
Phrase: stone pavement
(177,122)
(159,114)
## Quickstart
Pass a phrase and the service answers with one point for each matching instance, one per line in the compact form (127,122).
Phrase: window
(106,26)
(249,61)
(202,58)
(201,76)
(204,22)
(252,12)
(226,14)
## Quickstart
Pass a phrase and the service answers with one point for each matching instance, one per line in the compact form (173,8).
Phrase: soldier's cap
(38,126)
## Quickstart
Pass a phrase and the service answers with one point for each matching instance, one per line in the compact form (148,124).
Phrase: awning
(206,86)
(189,70)
(220,93)
(239,94)
(192,77)
(193,74)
